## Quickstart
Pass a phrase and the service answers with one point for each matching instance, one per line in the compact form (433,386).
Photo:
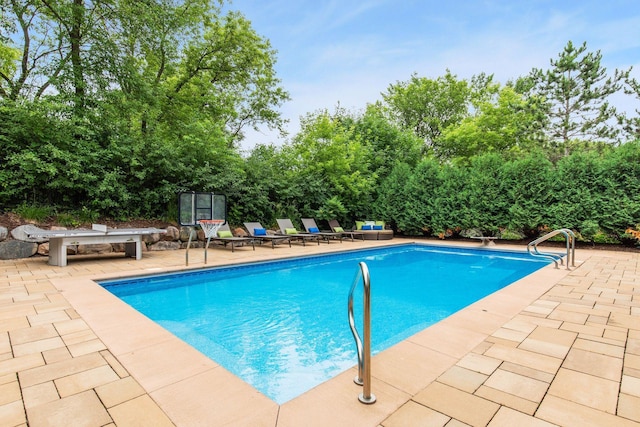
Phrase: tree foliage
(631,125)
(576,90)
(119,105)
(110,108)
(584,190)
(331,162)
(385,142)
(503,122)
(428,106)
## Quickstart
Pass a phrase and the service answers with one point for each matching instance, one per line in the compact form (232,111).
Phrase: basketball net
(210,226)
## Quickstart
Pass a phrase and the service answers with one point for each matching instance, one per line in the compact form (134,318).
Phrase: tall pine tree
(576,88)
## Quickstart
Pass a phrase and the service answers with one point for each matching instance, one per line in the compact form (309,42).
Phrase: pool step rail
(570,239)
(363,347)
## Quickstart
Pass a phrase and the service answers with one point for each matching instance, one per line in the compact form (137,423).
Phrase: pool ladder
(364,350)
(570,238)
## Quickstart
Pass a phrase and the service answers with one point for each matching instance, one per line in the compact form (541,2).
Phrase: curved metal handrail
(352,325)
(571,247)
(364,349)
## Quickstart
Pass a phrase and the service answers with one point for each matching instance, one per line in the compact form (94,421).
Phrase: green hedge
(595,194)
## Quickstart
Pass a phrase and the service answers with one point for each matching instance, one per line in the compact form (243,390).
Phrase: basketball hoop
(210,227)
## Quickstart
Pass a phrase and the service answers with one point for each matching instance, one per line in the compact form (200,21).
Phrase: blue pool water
(282,326)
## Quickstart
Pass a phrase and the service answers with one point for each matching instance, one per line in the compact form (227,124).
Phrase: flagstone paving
(560,349)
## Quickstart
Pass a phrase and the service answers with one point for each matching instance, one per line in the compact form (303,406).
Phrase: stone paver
(119,391)
(517,385)
(463,379)
(140,411)
(599,365)
(569,356)
(413,413)
(595,392)
(84,409)
(507,417)
(457,404)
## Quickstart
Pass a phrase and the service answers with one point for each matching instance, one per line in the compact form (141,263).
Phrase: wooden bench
(60,239)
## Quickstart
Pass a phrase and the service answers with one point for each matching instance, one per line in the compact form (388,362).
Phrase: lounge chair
(224,236)
(287,229)
(374,230)
(273,238)
(311,227)
(335,227)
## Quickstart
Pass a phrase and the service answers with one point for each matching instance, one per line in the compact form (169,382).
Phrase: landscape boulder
(21,232)
(164,245)
(184,233)
(43,249)
(16,249)
(122,247)
(151,238)
(194,244)
(471,233)
(4,233)
(172,234)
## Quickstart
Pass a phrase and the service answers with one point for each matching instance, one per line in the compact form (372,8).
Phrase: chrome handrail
(352,325)
(571,247)
(364,349)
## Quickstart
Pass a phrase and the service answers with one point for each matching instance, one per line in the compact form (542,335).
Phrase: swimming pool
(282,325)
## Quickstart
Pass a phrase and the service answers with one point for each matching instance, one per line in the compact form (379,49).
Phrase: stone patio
(556,348)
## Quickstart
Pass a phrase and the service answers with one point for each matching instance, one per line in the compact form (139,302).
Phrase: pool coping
(191,388)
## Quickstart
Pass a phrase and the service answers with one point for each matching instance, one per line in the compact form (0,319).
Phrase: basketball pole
(210,228)
(186,254)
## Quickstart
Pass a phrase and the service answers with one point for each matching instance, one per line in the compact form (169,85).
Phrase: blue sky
(347,52)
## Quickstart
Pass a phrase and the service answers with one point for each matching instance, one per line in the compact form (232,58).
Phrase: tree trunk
(75,35)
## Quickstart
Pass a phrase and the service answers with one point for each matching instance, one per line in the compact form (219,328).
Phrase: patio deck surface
(555,348)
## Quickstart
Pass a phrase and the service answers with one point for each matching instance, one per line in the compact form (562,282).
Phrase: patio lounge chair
(224,236)
(311,227)
(335,227)
(253,226)
(287,229)
(374,230)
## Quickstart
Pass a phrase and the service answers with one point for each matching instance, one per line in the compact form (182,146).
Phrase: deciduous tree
(331,161)
(144,98)
(428,106)
(502,123)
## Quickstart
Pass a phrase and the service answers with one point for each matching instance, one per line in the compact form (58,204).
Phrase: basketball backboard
(194,206)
